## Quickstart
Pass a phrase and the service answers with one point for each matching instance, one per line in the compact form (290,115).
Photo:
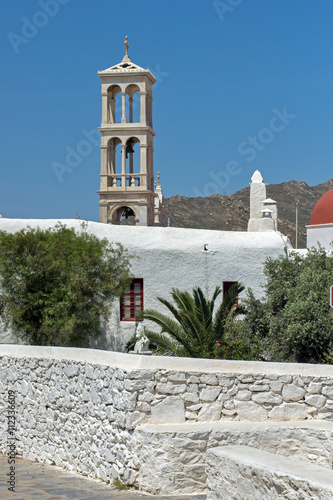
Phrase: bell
(129,148)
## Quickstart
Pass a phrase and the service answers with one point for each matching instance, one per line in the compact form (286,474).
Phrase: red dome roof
(323,210)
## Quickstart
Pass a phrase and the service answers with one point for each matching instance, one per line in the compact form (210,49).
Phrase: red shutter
(131,303)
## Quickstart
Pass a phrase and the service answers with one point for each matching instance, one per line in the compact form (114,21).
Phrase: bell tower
(127,193)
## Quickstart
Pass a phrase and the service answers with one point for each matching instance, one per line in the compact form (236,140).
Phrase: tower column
(143,107)
(104,162)
(123,97)
(130,118)
(151,166)
(104,107)
(123,165)
(150,110)
(111,169)
(111,109)
(143,165)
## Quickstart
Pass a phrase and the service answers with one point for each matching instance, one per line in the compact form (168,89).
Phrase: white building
(165,257)
(320,229)
(174,257)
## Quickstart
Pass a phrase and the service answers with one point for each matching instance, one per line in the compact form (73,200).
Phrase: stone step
(172,456)
(246,473)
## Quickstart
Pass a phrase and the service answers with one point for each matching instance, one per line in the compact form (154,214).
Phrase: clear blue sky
(226,72)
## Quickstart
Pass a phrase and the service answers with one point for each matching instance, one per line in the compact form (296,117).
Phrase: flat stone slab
(172,456)
(247,473)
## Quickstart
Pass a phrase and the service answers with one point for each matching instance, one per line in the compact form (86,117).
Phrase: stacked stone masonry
(241,472)
(79,408)
(173,456)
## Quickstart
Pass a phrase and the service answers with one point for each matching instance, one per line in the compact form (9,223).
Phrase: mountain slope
(231,213)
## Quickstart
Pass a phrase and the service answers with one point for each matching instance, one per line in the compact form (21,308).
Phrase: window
(226,286)
(131,303)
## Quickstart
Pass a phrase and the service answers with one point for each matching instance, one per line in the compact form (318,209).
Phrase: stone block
(194,407)
(266,398)
(248,410)
(259,387)
(177,377)
(289,411)
(208,379)
(143,406)
(190,415)
(134,419)
(316,400)
(209,394)
(134,385)
(229,405)
(291,392)
(315,388)
(171,411)
(141,374)
(226,381)
(243,395)
(210,412)
(229,413)
(191,397)
(276,386)
(170,388)
(327,390)
(146,397)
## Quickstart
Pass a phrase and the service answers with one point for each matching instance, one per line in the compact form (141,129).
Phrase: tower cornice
(125,127)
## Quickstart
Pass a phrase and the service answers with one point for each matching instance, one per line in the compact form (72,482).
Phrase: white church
(132,213)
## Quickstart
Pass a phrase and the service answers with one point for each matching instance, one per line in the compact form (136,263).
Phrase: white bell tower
(127,194)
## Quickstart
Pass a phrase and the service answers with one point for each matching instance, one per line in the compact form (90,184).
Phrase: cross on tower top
(126,57)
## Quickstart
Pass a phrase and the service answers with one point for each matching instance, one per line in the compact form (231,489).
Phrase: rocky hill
(231,213)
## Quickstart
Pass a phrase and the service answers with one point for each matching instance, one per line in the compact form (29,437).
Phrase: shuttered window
(131,303)
(226,286)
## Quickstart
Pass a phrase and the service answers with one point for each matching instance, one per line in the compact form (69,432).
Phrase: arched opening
(114,162)
(133,103)
(124,216)
(114,104)
(133,162)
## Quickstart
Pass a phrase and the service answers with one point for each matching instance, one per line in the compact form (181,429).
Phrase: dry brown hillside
(231,213)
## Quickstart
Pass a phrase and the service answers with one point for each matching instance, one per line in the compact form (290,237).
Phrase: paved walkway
(36,481)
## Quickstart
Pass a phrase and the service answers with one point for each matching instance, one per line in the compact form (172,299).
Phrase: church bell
(129,148)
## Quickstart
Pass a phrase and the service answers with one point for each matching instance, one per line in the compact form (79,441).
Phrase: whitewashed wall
(80,407)
(319,235)
(175,257)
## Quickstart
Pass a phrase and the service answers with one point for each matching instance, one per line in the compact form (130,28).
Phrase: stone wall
(79,407)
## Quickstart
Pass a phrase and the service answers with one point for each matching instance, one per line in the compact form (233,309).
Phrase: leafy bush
(56,284)
(294,321)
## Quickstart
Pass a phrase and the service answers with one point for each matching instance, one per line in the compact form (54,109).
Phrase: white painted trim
(134,362)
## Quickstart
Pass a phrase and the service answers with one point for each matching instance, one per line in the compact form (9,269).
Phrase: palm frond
(183,300)
(193,330)
(227,305)
(168,325)
(167,346)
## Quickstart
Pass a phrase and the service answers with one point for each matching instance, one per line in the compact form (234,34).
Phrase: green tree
(294,321)
(56,284)
(195,326)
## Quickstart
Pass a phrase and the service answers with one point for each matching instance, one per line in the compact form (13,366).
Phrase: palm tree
(193,329)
